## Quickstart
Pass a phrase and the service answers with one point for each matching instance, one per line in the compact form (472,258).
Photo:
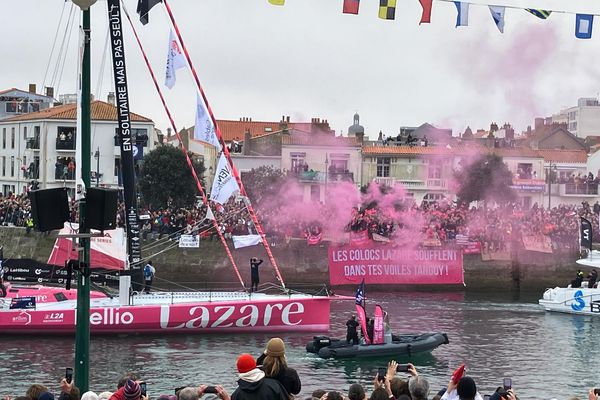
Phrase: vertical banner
(125,138)
(360,310)
(378,330)
(586,234)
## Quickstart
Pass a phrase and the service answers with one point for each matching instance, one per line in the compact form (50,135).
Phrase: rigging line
(183,148)
(64,62)
(54,44)
(62,45)
(522,7)
(225,150)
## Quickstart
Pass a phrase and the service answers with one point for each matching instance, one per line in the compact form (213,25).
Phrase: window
(3,165)
(12,138)
(24,167)
(339,162)
(383,167)
(431,198)
(11,107)
(12,166)
(3,138)
(297,161)
(138,136)
(524,171)
(65,138)
(25,133)
(434,170)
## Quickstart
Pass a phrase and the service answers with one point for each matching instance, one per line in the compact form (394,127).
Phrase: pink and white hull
(167,312)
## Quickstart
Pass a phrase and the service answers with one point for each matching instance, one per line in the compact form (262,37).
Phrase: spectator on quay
(274,364)
(418,388)
(254,385)
(356,392)
(189,393)
(89,395)
(34,391)
(333,395)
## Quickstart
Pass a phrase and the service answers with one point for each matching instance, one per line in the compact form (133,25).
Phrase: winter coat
(263,389)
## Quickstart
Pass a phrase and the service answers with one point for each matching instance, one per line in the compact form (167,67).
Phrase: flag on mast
(144,7)
(360,310)
(175,61)
(224,184)
(204,129)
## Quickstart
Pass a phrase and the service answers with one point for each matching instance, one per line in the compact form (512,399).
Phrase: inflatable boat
(401,345)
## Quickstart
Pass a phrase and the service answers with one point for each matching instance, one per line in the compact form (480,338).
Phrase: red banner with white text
(392,266)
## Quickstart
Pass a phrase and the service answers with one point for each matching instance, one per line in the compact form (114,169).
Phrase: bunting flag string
(498,16)
(462,13)
(426,15)
(351,6)
(387,9)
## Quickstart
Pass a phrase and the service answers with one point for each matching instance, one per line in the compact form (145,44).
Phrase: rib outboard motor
(318,343)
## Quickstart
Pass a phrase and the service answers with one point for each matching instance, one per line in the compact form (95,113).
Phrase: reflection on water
(546,355)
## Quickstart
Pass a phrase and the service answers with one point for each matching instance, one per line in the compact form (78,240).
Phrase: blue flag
(360,294)
(583,26)
(498,16)
(462,16)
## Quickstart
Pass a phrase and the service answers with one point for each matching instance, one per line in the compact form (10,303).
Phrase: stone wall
(301,265)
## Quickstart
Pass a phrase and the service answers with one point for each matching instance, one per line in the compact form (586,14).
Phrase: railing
(311,176)
(408,184)
(60,175)
(33,143)
(340,177)
(65,144)
(384,180)
(436,183)
(581,189)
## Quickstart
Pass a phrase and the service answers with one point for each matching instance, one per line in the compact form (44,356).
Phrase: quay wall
(302,265)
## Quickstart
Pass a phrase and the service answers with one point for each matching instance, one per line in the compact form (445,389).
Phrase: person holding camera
(254,277)
(254,385)
(218,390)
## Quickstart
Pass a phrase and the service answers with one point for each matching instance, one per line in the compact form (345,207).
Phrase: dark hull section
(402,345)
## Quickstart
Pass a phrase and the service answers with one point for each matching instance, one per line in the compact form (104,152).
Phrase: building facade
(39,148)
(582,120)
(14,102)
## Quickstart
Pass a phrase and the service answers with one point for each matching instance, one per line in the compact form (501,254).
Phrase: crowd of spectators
(270,377)
(431,222)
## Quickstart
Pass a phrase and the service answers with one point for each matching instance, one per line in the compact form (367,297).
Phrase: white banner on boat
(246,240)
(189,241)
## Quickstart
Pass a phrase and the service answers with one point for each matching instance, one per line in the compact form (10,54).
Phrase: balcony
(33,143)
(340,177)
(580,190)
(61,175)
(65,144)
(406,183)
(310,176)
(436,183)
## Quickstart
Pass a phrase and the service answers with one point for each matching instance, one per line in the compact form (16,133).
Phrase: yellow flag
(387,9)
(277,2)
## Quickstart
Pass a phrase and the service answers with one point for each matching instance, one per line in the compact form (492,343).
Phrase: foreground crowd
(270,378)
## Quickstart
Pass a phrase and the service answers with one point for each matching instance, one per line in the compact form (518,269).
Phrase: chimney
(49,91)
(538,123)
(111,99)
(161,137)
(287,119)
(32,88)
(247,140)
(168,132)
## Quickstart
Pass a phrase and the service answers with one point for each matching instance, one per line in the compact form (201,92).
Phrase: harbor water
(547,355)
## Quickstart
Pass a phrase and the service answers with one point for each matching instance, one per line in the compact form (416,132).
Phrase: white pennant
(175,61)
(204,129)
(224,184)
(209,214)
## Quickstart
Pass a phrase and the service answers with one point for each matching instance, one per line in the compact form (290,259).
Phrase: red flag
(426,16)
(362,318)
(378,329)
(351,6)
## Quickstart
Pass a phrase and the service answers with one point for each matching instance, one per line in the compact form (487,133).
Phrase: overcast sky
(307,59)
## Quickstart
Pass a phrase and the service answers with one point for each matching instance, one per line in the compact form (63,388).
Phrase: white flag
(224,184)
(245,240)
(204,129)
(175,61)
(209,214)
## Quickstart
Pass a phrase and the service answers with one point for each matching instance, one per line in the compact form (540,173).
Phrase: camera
(402,368)
(143,388)
(507,383)
(210,389)
(486,397)
(381,374)
(69,375)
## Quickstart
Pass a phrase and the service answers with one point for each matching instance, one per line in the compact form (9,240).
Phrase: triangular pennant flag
(498,16)
(387,9)
(209,214)
(351,6)
(175,61)
(224,184)
(462,16)
(144,7)
(277,2)
(426,15)
(542,14)
(204,129)
(583,26)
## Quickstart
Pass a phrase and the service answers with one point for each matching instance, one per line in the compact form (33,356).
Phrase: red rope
(183,149)
(225,149)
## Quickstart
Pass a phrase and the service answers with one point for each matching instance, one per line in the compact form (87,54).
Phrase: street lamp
(326,174)
(551,168)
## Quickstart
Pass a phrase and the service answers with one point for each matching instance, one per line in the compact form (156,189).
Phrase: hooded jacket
(253,385)
(287,376)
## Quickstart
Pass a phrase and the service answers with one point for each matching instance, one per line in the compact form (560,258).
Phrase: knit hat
(132,390)
(245,363)
(466,388)
(276,347)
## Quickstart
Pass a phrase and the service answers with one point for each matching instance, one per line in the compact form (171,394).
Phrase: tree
(488,178)
(166,176)
(262,181)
